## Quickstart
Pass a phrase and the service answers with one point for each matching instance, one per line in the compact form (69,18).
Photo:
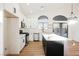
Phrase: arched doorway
(60,26)
(43,22)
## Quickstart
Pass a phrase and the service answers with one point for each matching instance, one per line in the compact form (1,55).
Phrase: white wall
(10,7)
(1,33)
(1,29)
(13,36)
(6,36)
(74,31)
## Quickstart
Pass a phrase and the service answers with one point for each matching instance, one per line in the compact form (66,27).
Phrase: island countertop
(54,37)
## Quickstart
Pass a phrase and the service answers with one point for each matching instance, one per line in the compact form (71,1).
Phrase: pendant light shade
(72,15)
(72,19)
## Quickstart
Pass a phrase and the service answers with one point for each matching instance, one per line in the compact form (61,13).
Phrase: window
(60,27)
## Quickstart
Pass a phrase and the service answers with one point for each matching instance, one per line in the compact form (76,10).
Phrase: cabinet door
(22,41)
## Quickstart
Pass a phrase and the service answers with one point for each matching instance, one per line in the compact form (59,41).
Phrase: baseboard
(36,40)
(12,55)
(15,54)
(22,49)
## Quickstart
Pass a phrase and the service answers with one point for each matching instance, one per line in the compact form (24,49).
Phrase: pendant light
(72,19)
(72,13)
(41,7)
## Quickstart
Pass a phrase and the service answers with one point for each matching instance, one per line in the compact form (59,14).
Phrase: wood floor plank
(33,49)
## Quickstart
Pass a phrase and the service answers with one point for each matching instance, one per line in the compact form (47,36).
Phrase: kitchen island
(54,45)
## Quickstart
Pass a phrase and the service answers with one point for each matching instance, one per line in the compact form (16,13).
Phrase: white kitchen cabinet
(22,41)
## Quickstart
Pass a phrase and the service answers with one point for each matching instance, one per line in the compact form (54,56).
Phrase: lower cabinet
(52,48)
(22,41)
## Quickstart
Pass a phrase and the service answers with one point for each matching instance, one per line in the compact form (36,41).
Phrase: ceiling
(37,8)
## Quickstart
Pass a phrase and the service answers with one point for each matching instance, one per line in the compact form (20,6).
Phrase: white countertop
(54,37)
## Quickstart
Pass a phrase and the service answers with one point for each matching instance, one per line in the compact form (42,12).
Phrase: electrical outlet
(5,48)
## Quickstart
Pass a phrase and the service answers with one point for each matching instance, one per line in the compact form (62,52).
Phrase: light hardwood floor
(73,48)
(33,49)
(36,49)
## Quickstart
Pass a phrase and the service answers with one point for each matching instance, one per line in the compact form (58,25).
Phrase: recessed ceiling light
(28,4)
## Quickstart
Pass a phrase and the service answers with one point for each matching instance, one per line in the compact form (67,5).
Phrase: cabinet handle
(23,40)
